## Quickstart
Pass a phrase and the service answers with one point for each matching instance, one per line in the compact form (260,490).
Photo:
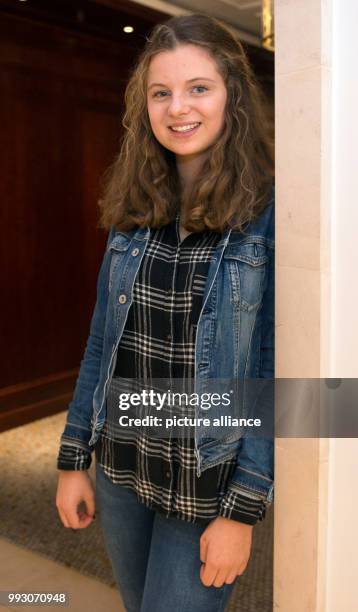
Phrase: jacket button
(122,298)
(135,252)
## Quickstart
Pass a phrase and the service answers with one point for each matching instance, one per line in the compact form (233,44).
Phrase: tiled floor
(21,570)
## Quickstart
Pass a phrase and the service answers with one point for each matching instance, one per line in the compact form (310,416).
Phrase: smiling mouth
(182,129)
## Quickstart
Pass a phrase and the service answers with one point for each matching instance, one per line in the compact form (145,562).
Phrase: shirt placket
(172,296)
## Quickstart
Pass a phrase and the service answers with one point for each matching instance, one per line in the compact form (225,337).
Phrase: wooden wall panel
(60,112)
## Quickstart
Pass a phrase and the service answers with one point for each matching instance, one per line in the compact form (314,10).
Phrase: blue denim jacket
(234,339)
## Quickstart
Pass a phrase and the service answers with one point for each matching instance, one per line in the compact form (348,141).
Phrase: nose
(178,106)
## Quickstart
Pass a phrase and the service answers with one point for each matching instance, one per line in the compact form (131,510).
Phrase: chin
(187,149)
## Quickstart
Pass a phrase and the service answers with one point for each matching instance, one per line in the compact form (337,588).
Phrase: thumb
(202,570)
(203,549)
(89,501)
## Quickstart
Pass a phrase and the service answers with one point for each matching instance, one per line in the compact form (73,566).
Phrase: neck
(189,168)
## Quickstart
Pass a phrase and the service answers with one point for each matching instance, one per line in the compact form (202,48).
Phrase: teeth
(185,128)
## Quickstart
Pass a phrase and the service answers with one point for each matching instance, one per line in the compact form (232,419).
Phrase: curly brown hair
(142,187)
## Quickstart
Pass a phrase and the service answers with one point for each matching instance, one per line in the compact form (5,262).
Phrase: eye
(158,94)
(201,87)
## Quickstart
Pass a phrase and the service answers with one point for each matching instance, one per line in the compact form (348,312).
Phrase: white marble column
(316,323)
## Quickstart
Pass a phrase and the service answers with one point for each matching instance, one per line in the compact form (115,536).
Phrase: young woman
(185,292)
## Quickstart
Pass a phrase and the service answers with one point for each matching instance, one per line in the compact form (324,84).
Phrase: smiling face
(186,97)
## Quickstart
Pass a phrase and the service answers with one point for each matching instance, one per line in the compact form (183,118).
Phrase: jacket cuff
(72,456)
(243,507)
(248,479)
(74,433)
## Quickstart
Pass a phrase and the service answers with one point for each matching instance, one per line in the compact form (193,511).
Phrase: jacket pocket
(246,265)
(117,249)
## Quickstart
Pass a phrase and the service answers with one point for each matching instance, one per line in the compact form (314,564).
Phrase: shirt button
(169,292)
(169,337)
(135,252)
(122,298)
(167,474)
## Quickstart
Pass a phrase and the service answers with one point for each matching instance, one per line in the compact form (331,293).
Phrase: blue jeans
(155,560)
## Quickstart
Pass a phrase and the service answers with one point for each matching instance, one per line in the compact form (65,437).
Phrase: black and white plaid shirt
(158,342)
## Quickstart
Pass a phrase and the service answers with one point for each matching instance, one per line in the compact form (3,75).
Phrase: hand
(73,488)
(225,547)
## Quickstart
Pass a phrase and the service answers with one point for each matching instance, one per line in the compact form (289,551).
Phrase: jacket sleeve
(77,432)
(254,471)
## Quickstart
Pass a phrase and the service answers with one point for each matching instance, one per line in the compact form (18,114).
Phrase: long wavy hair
(142,187)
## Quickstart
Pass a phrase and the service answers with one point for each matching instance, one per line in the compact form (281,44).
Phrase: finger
(208,574)
(84,520)
(241,569)
(73,518)
(63,517)
(231,577)
(90,505)
(220,578)
(86,516)
(202,577)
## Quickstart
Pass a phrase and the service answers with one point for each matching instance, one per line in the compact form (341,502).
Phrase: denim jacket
(234,339)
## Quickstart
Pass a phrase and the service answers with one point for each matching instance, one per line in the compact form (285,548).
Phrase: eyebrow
(189,81)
